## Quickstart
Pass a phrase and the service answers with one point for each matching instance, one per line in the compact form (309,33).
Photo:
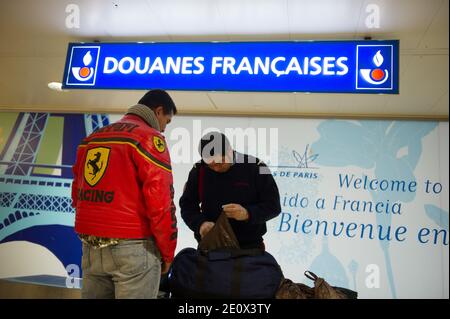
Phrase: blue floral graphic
(391,148)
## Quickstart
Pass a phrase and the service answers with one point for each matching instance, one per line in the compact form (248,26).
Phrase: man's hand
(205,228)
(165,266)
(235,211)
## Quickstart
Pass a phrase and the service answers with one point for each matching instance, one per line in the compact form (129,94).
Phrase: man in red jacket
(123,195)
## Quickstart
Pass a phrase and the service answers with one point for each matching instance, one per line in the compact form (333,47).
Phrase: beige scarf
(146,114)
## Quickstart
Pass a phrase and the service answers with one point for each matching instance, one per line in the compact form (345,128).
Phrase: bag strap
(227,253)
(236,279)
(202,266)
(311,275)
(246,252)
(201,174)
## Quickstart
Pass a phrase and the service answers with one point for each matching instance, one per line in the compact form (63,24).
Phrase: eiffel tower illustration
(30,199)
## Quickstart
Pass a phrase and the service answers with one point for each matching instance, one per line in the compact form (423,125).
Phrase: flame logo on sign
(376,76)
(84,73)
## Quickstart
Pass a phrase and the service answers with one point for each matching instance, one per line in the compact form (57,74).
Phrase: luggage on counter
(321,290)
(220,269)
(224,273)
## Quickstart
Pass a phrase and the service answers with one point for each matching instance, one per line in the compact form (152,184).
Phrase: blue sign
(311,66)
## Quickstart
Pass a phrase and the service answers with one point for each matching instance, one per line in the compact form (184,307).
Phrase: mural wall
(364,203)
(37,151)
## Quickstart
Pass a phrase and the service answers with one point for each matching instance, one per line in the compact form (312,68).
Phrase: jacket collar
(146,114)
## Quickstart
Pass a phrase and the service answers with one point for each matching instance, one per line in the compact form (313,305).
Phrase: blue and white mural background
(326,225)
(400,251)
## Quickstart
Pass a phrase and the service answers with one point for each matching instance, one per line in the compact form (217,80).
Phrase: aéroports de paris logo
(374,67)
(82,68)
(95,164)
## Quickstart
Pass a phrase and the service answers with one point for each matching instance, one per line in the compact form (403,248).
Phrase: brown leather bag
(220,236)
(321,290)
(291,290)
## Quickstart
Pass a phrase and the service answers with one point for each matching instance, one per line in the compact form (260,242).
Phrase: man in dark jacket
(239,185)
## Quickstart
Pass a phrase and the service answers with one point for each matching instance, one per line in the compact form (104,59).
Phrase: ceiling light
(56,86)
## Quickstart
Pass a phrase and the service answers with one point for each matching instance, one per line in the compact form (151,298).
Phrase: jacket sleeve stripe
(135,144)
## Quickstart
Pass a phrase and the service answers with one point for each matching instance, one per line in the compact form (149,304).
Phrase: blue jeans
(130,269)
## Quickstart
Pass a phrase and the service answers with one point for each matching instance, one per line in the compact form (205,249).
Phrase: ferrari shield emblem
(159,144)
(95,165)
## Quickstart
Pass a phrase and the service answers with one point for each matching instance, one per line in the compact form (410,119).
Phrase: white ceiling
(34,41)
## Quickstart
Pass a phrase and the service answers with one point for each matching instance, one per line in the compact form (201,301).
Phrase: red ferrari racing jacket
(123,186)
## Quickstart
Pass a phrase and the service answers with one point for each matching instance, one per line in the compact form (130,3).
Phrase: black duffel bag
(224,273)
